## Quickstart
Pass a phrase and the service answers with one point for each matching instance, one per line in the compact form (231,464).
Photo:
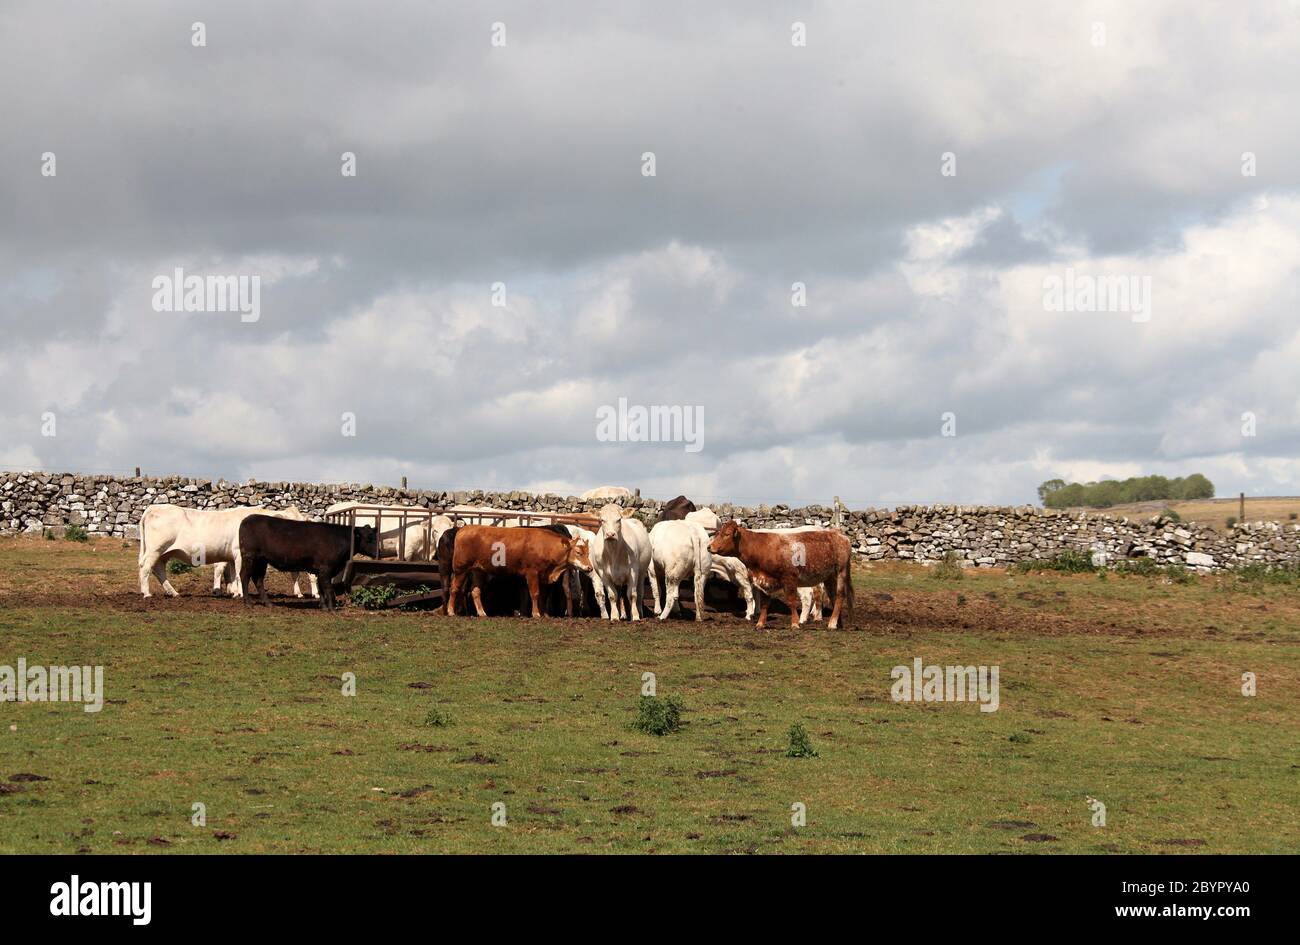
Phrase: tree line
(1059,494)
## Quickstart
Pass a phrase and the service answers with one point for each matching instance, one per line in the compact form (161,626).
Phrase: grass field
(1212,512)
(1125,689)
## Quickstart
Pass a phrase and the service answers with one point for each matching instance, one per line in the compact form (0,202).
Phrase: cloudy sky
(1102,139)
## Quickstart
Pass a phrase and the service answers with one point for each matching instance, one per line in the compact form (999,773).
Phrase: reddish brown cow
(539,555)
(784,563)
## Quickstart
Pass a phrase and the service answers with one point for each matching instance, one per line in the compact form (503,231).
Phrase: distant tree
(1197,486)
(1048,488)
(1057,494)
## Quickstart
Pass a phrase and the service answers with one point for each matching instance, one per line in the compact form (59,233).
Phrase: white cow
(390,530)
(201,536)
(607,492)
(573,580)
(679,550)
(624,553)
(734,570)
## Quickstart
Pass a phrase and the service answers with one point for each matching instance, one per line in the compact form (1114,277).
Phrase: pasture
(1213,513)
(1124,688)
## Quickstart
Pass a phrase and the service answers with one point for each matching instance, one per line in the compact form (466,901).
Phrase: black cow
(676,509)
(446,549)
(320,548)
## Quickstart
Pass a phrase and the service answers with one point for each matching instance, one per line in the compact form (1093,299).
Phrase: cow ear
(628,513)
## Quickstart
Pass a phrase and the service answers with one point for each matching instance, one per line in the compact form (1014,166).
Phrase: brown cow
(539,555)
(675,509)
(784,563)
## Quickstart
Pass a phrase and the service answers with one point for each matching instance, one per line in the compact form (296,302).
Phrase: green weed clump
(656,716)
(1068,561)
(800,745)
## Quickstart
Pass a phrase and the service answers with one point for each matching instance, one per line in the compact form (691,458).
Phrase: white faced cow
(200,536)
(624,553)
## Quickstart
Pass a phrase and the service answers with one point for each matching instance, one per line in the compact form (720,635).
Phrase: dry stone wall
(980,536)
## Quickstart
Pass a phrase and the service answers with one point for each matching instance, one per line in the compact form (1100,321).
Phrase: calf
(539,555)
(784,563)
(320,548)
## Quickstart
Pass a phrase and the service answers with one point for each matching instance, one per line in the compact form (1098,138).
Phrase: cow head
(579,554)
(367,541)
(726,541)
(611,521)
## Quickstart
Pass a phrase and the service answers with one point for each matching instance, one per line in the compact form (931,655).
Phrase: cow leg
(159,568)
(315,585)
(245,575)
(598,586)
(297,589)
(476,592)
(259,572)
(805,604)
(670,596)
(533,591)
(840,591)
(634,593)
(700,577)
(219,581)
(456,581)
(763,599)
(146,568)
(654,584)
(568,593)
(792,601)
(747,592)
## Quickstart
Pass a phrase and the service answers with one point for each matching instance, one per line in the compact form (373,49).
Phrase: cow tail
(140,561)
(848,584)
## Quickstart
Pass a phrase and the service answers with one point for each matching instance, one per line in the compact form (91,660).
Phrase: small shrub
(1069,561)
(1179,574)
(438,718)
(656,716)
(75,533)
(1170,515)
(1019,738)
(800,746)
(424,605)
(1230,521)
(948,569)
(373,597)
(1293,515)
(47,534)
(1257,572)
(179,566)
(1141,567)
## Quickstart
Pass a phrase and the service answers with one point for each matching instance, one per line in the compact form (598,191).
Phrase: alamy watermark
(1084,293)
(921,683)
(84,684)
(659,423)
(181,293)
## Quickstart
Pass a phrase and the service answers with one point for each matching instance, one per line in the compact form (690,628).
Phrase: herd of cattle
(806,568)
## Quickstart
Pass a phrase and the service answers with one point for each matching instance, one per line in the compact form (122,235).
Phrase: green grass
(244,712)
